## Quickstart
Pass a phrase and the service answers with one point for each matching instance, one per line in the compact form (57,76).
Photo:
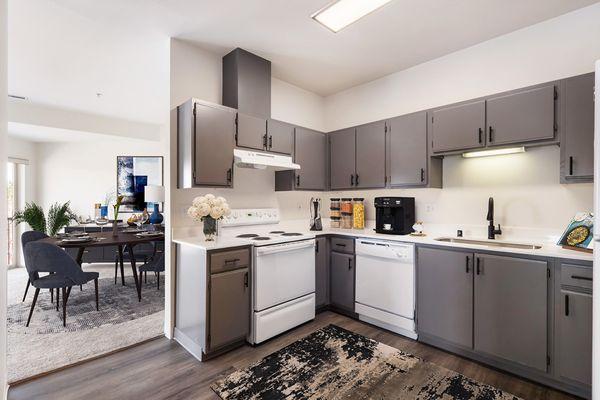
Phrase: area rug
(333,363)
(46,345)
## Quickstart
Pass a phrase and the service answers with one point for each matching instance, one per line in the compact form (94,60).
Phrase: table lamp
(154,194)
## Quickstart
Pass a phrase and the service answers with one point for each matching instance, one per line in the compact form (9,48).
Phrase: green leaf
(59,216)
(33,215)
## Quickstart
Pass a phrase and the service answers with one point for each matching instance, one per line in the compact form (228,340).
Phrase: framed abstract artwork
(134,173)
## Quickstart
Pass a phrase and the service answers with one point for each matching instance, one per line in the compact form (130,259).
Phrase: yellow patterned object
(358,214)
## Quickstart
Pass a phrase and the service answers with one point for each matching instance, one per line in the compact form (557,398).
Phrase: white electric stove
(283,271)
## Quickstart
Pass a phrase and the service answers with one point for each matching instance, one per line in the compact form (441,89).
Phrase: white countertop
(194,237)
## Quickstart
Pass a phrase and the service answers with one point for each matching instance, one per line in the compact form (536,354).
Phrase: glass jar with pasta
(358,213)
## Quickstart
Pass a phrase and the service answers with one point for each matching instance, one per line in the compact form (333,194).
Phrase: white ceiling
(62,52)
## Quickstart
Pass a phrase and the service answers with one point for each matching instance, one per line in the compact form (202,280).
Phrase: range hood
(260,160)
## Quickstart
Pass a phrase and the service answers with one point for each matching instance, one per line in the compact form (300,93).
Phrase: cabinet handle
(356,179)
(467,265)
(566,305)
(270,142)
(581,278)
(297,180)
(232,261)
(352,180)
(246,279)
(229,175)
(491,134)
(265,141)
(316,246)
(480,135)
(422,175)
(340,244)
(349,264)
(571,165)
(478,266)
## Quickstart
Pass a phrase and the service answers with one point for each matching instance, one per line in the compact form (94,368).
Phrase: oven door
(283,272)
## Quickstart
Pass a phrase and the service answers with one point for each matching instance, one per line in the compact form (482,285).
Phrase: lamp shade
(154,194)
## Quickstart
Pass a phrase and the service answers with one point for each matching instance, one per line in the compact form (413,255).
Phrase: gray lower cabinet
(407,150)
(577,141)
(206,135)
(228,307)
(458,127)
(280,137)
(370,155)
(342,156)
(521,117)
(342,281)
(511,309)
(445,295)
(321,272)
(251,132)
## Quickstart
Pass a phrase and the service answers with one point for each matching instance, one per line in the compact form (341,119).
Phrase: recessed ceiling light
(341,13)
(494,152)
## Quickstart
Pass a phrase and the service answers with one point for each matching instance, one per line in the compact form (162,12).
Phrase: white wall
(25,150)
(3,239)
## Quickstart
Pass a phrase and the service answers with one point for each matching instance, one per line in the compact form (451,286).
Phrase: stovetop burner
(291,234)
(261,238)
(276,232)
(247,235)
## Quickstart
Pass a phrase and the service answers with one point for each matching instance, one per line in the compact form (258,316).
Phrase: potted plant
(209,209)
(59,217)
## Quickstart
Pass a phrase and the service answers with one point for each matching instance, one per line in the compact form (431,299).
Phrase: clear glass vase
(209,228)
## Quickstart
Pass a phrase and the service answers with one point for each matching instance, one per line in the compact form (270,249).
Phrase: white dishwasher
(385,285)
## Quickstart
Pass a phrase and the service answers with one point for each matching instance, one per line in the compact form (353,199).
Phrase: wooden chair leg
(64,293)
(145,276)
(96,288)
(158,280)
(116,269)
(35,296)
(51,295)
(57,299)
(26,289)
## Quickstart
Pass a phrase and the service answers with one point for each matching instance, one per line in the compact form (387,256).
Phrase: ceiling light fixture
(341,13)
(494,152)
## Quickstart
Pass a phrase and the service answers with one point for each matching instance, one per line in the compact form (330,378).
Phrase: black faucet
(492,231)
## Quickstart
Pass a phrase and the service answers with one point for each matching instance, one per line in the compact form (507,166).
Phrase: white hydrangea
(208,205)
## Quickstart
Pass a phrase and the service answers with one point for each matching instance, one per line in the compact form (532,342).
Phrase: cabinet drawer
(229,260)
(576,275)
(342,245)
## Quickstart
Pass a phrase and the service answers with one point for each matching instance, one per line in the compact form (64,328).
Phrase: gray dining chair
(65,273)
(27,237)
(156,265)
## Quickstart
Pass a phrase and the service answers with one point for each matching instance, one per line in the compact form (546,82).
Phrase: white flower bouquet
(209,209)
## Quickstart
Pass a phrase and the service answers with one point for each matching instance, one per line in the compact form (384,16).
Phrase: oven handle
(261,251)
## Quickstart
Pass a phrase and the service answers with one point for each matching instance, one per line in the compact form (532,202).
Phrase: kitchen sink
(512,245)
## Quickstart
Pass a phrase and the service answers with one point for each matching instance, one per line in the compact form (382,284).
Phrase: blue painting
(134,173)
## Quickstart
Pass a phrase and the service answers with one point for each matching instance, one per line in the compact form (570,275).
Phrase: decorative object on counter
(394,215)
(209,209)
(116,208)
(335,213)
(134,173)
(156,195)
(59,217)
(418,229)
(358,213)
(315,214)
(102,221)
(346,207)
(97,211)
(103,211)
(579,233)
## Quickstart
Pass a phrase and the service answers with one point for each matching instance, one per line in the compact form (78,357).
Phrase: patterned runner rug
(333,363)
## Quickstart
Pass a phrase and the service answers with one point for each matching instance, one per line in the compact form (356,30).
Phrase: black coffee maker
(394,215)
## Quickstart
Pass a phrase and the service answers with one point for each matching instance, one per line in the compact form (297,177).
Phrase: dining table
(103,239)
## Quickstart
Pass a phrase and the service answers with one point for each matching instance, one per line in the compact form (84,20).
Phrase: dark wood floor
(161,369)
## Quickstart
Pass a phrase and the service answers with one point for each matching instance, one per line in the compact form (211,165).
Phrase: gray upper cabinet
(521,117)
(251,132)
(321,272)
(577,142)
(229,309)
(511,309)
(407,150)
(280,136)
(370,155)
(311,154)
(342,147)
(445,295)
(206,141)
(458,127)
(342,281)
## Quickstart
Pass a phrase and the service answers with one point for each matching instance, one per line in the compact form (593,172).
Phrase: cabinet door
(342,157)
(575,336)
(445,295)
(511,309)
(310,152)
(459,127)
(408,150)
(521,117)
(322,272)
(280,137)
(213,146)
(342,281)
(229,308)
(577,147)
(251,132)
(370,155)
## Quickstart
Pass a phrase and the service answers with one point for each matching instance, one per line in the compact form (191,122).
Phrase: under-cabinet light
(494,152)
(341,13)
